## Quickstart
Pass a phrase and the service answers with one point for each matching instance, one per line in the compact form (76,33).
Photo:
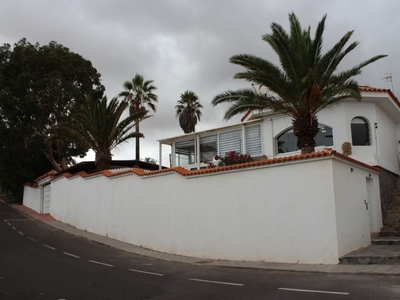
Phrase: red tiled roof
(185,172)
(363,88)
(32,185)
(245,115)
(366,88)
(50,173)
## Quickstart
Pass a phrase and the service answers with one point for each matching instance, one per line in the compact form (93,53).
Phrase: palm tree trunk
(50,157)
(305,128)
(135,107)
(103,159)
(137,141)
(63,164)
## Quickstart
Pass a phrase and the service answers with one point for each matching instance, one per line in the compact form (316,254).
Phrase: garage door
(46,199)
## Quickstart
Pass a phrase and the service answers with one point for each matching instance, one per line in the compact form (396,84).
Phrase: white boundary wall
(309,211)
(31,198)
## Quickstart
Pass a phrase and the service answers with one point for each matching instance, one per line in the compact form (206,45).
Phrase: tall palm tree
(139,93)
(96,125)
(188,111)
(304,84)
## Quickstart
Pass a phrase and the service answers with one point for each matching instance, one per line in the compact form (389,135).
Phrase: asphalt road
(40,262)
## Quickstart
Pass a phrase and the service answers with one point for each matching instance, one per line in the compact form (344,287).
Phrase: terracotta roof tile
(32,185)
(106,173)
(50,173)
(112,174)
(245,115)
(363,88)
(366,88)
(185,172)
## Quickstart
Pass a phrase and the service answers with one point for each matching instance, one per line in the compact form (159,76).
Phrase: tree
(139,93)
(306,83)
(39,85)
(150,160)
(19,164)
(96,124)
(188,111)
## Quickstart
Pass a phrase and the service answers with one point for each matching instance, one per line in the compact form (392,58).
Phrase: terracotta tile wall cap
(50,173)
(185,172)
(32,185)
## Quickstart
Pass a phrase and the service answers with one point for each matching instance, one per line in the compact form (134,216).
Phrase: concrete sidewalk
(347,269)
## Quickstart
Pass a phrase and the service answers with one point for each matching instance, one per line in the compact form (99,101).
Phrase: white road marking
(145,272)
(20,233)
(314,291)
(73,255)
(31,239)
(100,263)
(217,282)
(13,228)
(52,248)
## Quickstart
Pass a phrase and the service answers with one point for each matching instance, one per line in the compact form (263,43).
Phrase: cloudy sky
(186,44)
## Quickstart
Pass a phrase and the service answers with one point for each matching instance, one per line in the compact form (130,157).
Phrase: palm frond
(188,110)
(306,81)
(97,124)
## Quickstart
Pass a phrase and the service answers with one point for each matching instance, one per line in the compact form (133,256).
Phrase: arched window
(360,132)
(287,141)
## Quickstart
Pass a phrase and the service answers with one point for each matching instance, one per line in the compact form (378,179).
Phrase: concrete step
(389,233)
(388,240)
(392,216)
(373,254)
(391,223)
(393,207)
(391,227)
(369,260)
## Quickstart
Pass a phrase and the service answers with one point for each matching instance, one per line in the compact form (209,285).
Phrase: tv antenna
(388,78)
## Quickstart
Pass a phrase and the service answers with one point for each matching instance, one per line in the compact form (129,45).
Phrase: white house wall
(383,150)
(388,152)
(352,215)
(31,198)
(366,110)
(275,213)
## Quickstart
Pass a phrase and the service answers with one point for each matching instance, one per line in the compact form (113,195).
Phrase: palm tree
(96,125)
(305,84)
(139,93)
(188,111)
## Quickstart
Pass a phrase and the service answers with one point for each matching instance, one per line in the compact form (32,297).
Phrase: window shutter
(183,145)
(253,140)
(208,139)
(230,141)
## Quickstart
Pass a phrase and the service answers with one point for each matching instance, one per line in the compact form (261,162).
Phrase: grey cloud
(187,44)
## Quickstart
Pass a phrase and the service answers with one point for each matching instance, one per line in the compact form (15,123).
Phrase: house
(371,126)
(293,208)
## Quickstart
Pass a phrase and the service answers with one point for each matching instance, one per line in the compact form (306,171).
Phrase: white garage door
(46,198)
